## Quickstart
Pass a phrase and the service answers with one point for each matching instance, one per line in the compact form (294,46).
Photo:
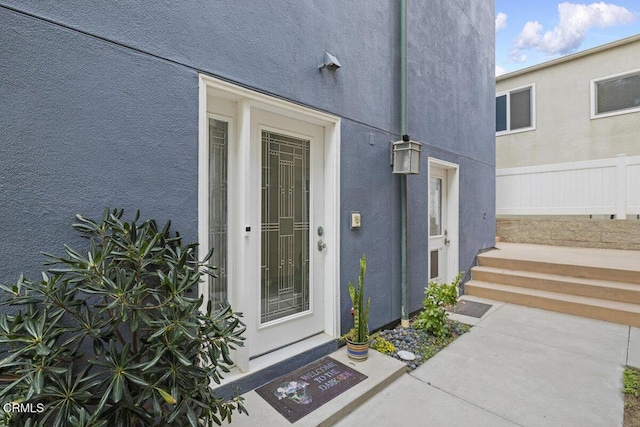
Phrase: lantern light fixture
(406,156)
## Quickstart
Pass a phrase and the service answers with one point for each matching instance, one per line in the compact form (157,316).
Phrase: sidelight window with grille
(218,202)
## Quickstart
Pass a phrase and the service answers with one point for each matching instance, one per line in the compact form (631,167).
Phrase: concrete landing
(381,371)
(518,366)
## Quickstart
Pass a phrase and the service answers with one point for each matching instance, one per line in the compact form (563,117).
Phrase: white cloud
(529,37)
(517,56)
(575,21)
(500,70)
(501,21)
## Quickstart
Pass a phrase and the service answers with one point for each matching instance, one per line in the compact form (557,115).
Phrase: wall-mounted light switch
(356,220)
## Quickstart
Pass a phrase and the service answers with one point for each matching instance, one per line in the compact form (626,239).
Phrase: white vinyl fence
(595,187)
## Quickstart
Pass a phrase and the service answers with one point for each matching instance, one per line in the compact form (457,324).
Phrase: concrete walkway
(518,366)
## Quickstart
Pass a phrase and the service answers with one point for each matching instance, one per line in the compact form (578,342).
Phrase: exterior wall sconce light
(406,156)
(330,62)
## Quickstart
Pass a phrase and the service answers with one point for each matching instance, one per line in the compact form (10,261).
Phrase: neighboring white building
(584,106)
(568,149)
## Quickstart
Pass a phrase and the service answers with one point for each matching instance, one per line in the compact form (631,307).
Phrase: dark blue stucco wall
(85,125)
(451,64)
(273,46)
(369,187)
(99,107)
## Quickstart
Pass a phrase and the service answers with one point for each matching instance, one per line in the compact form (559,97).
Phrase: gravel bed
(421,343)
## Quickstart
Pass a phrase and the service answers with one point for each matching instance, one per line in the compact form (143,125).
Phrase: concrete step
(602,289)
(594,308)
(597,264)
(381,371)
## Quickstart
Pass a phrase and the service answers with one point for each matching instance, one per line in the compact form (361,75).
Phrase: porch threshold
(277,363)
(381,370)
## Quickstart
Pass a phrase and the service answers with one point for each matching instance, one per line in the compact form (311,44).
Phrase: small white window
(515,110)
(613,95)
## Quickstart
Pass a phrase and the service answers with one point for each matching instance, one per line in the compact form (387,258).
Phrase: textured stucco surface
(84,126)
(100,108)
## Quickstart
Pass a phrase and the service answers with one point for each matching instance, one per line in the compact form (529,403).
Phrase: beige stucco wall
(564,130)
(570,231)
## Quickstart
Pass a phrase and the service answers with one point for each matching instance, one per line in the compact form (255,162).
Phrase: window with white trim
(515,110)
(619,94)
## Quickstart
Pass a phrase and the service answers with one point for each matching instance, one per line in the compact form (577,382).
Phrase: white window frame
(508,93)
(594,96)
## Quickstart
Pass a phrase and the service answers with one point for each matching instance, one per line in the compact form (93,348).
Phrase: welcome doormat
(302,391)
(471,308)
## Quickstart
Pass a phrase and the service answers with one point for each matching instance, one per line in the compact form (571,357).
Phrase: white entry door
(438,227)
(268,206)
(287,177)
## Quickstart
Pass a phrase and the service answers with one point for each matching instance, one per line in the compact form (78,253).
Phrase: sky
(529,32)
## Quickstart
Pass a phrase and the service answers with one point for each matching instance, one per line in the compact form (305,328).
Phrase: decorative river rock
(406,355)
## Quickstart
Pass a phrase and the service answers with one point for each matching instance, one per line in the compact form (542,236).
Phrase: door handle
(321,245)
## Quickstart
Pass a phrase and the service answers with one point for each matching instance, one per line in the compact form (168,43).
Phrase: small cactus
(360,331)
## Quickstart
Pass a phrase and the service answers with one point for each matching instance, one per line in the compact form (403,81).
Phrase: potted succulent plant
(358,339)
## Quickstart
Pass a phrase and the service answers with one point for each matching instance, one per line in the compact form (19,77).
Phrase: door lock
(321,245)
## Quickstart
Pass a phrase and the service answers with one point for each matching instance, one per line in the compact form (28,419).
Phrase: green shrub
(433,317)
(112,337)
(631,381)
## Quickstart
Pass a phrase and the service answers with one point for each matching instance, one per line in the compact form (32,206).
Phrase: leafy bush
(433,317)
(112,337)
(631,381)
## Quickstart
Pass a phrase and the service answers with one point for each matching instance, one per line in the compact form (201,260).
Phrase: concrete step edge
(381,371)
(561,268)
(610,311)
(351,402)
(558,296)
(605,290)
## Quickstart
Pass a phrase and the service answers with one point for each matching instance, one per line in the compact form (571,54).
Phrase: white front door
(268,206)
(287,167)
(438,227)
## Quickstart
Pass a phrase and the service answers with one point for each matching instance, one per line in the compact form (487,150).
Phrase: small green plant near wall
(115,336)
(631,390)
(631,380)
(433,317)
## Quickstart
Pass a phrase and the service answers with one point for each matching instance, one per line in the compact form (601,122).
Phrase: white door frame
(223,99)
(452,216)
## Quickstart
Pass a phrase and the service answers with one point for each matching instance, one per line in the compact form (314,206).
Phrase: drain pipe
(404,320)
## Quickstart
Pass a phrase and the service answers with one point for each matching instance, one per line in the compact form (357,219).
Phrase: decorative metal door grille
(285,226)
(218,143)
